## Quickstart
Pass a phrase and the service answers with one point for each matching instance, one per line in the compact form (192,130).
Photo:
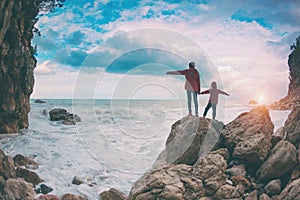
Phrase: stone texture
(48,197)
(229,192)
(182,181)
(292,126)
(17,19)
(273,187)
(29,163)
(237,170)
(282,159)
(19,189)
(291,191)
(112,194)
(8,167)
(73,197)
(249,135)
(264,197)
(252,196)
(191,137)
(29,176)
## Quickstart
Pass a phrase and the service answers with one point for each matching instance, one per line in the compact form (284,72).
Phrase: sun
(261,99)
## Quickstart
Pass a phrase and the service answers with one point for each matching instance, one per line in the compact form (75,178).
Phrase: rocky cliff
(293,97)
(17,62)
(248,161)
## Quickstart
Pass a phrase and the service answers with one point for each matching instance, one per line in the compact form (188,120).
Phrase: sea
(115,143)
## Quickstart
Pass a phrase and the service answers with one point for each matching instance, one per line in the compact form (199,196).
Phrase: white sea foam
(116,142)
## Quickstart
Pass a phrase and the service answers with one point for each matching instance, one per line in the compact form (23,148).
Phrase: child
(213,99)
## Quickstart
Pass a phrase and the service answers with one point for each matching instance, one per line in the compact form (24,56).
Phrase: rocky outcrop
(225,173)
(249,136)
(182,181)
(60,114)
(17,19)
(292,99)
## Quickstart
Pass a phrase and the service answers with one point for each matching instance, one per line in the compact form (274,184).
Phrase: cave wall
(17,62)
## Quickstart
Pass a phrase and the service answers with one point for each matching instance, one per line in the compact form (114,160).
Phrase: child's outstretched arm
(205,92)
(225,93)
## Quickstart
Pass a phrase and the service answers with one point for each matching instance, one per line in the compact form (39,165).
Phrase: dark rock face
(58,114)
(292,127)
(17,62)
(292,99)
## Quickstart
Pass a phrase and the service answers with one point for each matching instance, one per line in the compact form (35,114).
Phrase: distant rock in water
(60,114)
(39,101)
(253,102)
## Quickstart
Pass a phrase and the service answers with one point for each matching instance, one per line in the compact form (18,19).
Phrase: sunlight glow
(261,100)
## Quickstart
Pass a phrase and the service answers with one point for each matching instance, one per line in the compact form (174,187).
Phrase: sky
(123,49)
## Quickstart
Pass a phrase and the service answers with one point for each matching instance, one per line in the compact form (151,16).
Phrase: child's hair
(214,85)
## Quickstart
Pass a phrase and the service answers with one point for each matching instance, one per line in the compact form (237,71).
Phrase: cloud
(247,42)
(45,68)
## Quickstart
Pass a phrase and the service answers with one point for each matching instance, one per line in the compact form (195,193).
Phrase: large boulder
(189,138)
(58,114)
(249,135)
(292,126)
(282,159)
(19,189)
(182,181)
